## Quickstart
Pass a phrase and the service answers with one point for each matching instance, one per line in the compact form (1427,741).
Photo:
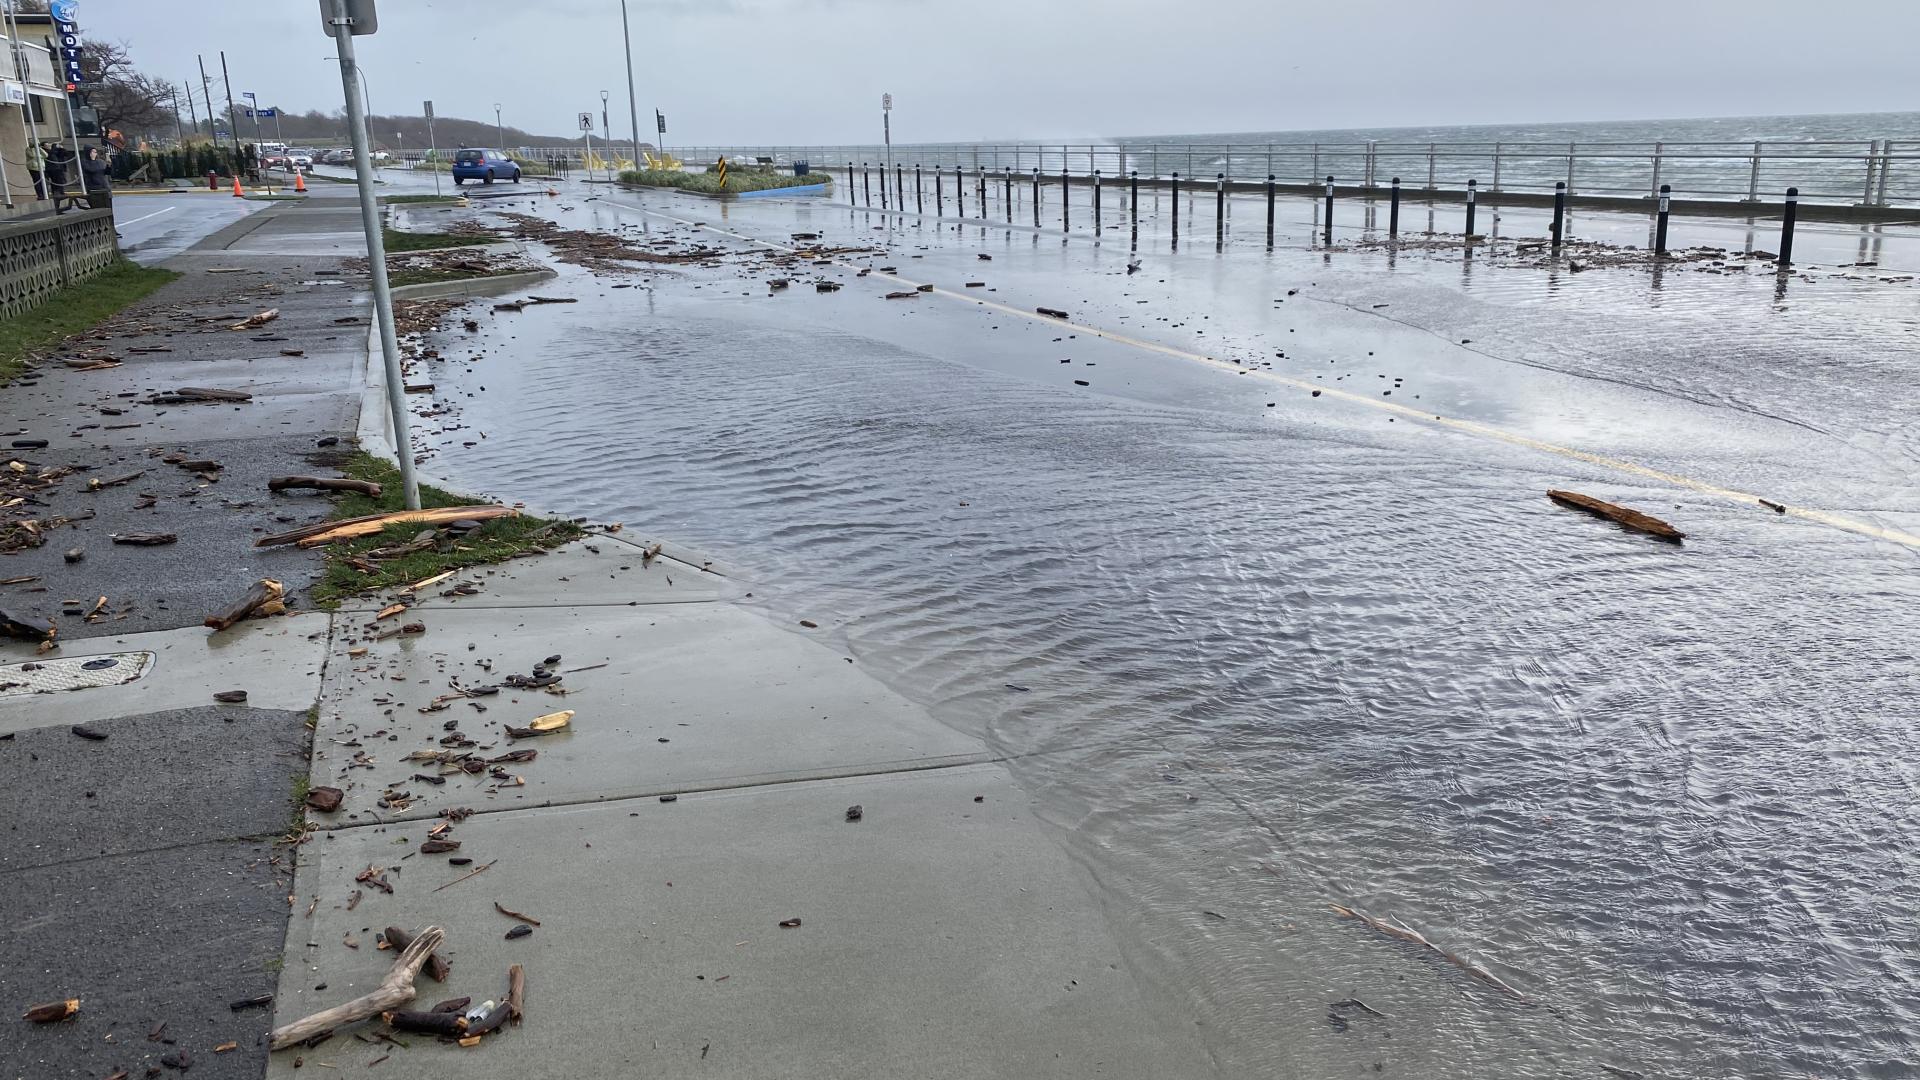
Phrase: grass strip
(75,308)
(495,541)
(738,180)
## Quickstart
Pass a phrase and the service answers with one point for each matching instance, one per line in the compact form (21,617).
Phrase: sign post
(346,18)
(433,147)
(660,121)
(586,127)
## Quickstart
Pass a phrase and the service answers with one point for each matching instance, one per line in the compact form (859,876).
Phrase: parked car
(337,157)
(485,166)
(302,159)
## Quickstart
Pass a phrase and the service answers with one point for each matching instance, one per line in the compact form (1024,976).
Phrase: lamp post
(606,134)
(500,141)
(886,130)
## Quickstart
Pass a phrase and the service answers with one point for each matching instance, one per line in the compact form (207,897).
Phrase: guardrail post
(1559,211)
(1219,208)
(1496,166)
(1327,227)
(1873,155)
(1886,160)
(1787,217)
(1660,222)
(1659,151)
(1096,202)
(866,181)
(853,196)
(1393,211)
(1373,156)
(1473,190)
(1571,153)
(919,200)
(1270,210)
(1430,159)
(1314,173)
(1753,177)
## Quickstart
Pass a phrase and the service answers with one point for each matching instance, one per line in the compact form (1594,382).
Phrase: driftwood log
(1632,519)
(400,940)
(189,395)
(324,483)
(263,592)
(516,991)
(395,990)
(310,535)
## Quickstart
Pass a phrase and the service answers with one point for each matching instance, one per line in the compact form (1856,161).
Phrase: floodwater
(1259,652)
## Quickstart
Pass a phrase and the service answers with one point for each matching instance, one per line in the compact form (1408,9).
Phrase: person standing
(60,162)
(96,175)
(37,167)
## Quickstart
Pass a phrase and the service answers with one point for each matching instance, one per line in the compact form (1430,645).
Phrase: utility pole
(179,134)
(206,92)
(193,114)
(341,25)
(232,124)
(633,106)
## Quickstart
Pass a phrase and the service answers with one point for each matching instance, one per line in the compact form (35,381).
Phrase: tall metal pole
(433,152)
(193,114)
(376,250)
(886,130)
(499,139)
(606,134)
(254,100)
(633,103)
(179,133)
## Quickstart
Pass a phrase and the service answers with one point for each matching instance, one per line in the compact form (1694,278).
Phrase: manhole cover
(72,673)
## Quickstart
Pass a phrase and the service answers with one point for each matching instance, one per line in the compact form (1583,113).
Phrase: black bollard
(939,193)
(980,192)
(1219,208)
(1175,188)
(1393,211)
(1326,233)
(1473,189)
(853,192)
(1006,193)
(960,193)
(1660,222)
(1787,217)
(1133,197)
(1036,196)
(1096,202)
(919,200)
(866,181)
(900,187)
(1270,190)
(1559,210)
(1066,202)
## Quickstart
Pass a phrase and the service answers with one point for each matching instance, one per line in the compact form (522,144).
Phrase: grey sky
(811,71)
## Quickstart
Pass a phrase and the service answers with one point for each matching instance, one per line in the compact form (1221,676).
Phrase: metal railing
(1878,172)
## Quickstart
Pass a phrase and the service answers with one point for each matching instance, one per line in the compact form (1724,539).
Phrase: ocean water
(1258,652)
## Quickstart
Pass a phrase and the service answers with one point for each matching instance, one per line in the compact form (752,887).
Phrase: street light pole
(886,127)
(342,27)
(633,106)
(499,140)
(606,134)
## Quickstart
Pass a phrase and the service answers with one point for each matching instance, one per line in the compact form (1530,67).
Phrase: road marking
(155,214)
(1470,427)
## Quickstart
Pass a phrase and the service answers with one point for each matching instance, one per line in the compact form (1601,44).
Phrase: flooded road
(1259,650)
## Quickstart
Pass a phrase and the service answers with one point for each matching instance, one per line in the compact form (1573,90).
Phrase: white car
(302,159)
(382,155)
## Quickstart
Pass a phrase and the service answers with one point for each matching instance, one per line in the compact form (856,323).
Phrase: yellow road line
(1471,427)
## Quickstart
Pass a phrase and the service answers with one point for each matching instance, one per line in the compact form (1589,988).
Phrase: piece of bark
(1632,519)
(1054,313)
(426,1023)
(516,991)
(200,465)
(252,321)
(145,539)
(438,847)
(95,483)
(15,627)
(194,395)
(263,592)
(350,528)
(53,1011)
(255,1002)
(325,799)
(452,1005)
(231,697)
(437,968)
(395,990)
(325,483)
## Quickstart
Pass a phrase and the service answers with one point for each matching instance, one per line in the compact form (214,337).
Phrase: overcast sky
(812,71)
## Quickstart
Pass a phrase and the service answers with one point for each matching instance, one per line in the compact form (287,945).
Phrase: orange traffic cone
(299,183)
(237,193)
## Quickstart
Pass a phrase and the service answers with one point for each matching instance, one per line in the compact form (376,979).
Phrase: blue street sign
(264,114)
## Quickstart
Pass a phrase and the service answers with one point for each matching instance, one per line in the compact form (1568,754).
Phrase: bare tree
(125,99)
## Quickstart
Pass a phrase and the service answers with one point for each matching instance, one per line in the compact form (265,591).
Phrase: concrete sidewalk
(697,800)
(139,872)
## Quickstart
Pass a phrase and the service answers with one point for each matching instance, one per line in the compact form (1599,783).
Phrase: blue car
(485,166)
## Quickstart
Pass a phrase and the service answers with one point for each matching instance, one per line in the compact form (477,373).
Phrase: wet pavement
(1248,566)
